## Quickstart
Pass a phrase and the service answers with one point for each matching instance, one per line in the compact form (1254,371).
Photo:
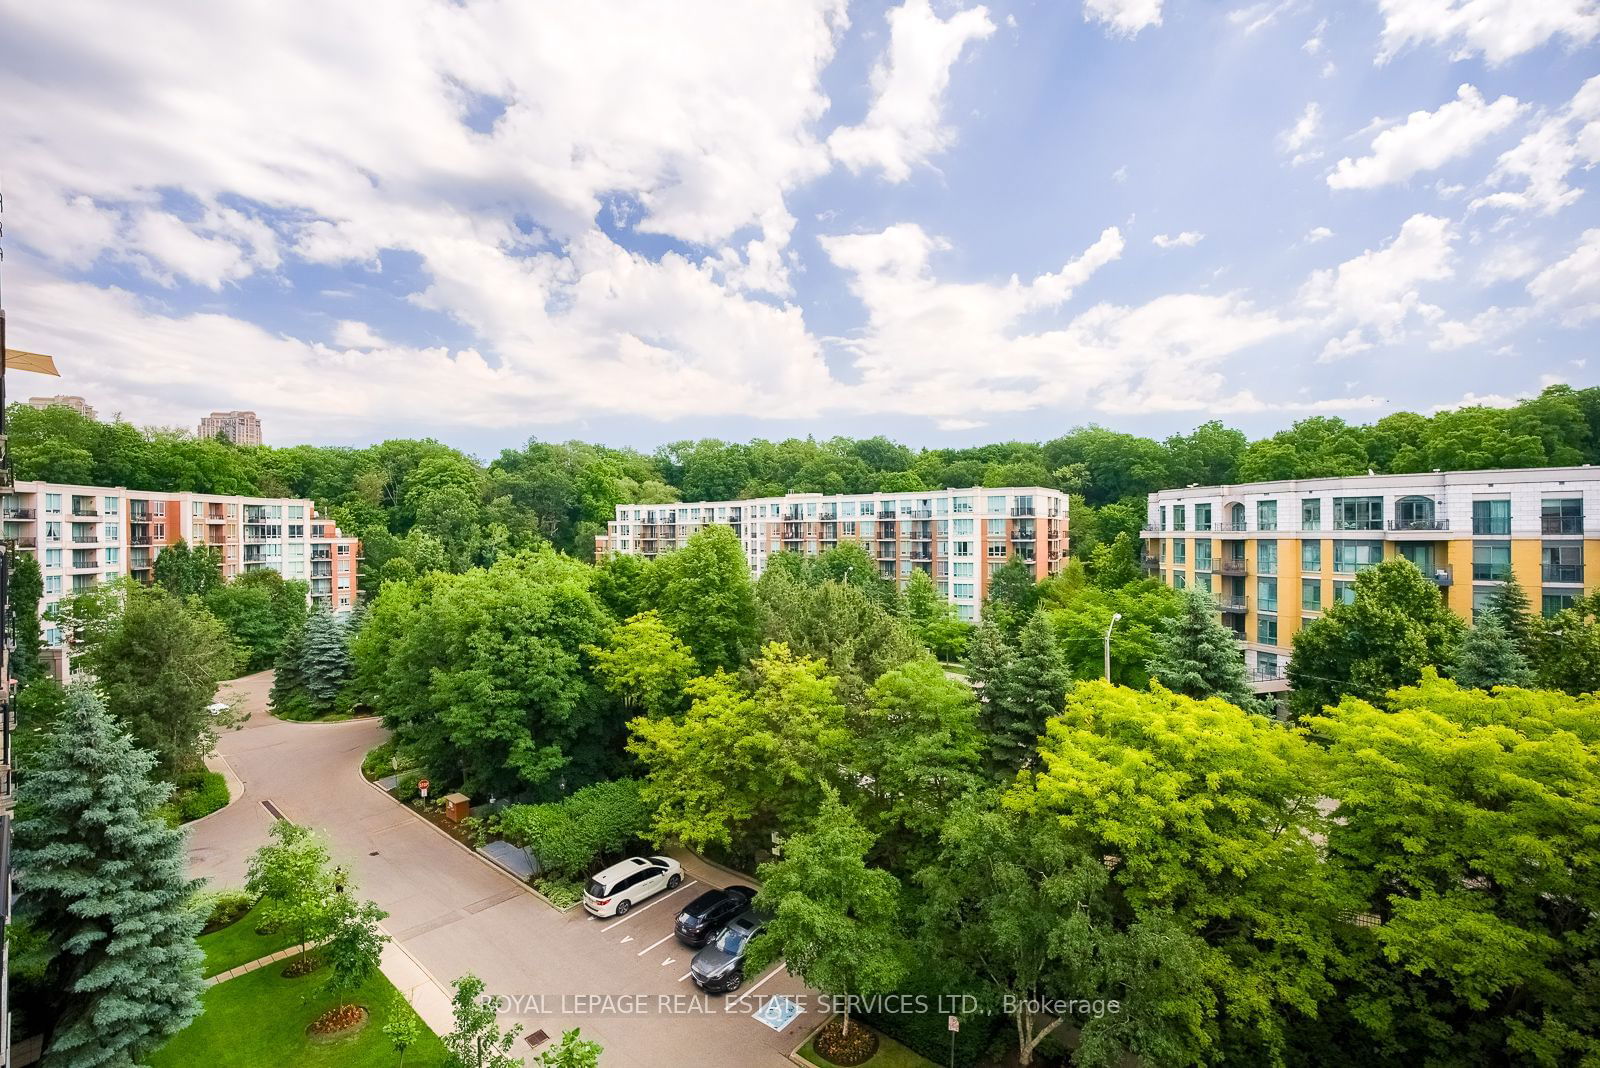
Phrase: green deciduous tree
(1465,829)
(188,571)
(1490,658)
(352,945)
(704,594)
(1567,648)
(644,665)
(1012,595)
(1198,657)
(260,609)
(477,1040)
(1207,813)
(158,662)
(401,1026)
(1397,625)
(573,1051)
(102,876)
(24,592)
(836,623)
(835,919)
(742,764)
(292,878)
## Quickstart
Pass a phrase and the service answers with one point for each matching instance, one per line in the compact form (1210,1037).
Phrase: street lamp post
(1114,617)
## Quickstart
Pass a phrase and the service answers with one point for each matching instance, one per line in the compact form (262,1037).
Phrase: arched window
(1236,516)
(1414,513)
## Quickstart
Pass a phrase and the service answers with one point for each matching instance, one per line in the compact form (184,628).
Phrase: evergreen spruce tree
(325,660)
(1198,657)
(1036,690)
(288,697)
(1490,658)
(1509,604)
(989,666)
(103,878)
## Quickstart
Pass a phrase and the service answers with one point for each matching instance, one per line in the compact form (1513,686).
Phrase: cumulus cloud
(1571,286)
(1187,239)
(1317,233)
(1375,296)
(1297,137)
(1545,157)
(1496,29)
(1427,140)
(1123,18)
(903,126)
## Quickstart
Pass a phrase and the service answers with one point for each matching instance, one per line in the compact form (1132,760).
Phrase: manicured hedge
(195,794)
(569,836)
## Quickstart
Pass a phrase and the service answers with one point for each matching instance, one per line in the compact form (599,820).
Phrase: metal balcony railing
(1562,572)
(18,513)
(1232,566)
(1443,577)
(1419,524)
(1234,605)
(1561,524)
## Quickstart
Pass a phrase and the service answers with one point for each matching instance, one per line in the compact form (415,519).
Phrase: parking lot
(648,984)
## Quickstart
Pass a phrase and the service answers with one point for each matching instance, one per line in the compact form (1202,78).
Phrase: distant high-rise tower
(241,428)
(77,404)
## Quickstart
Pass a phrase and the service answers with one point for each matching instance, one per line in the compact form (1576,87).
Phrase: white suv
(626,883)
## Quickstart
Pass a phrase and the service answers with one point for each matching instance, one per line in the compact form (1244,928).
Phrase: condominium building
(958,536)
(86,535)
(241,428)
(1274,554)
(77,404)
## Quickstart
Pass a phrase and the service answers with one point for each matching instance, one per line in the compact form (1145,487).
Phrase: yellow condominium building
(1274,554)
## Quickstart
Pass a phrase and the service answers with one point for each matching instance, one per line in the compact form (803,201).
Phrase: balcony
(1494,527)
(1233,605)
(1235,527)
(1562,572)
(1419,524)
(18,513)
(1561,524)
(86,512)
(1022,511)
(1151,563)
(1442,577)
(86,539)
(1232,565)
(24,543)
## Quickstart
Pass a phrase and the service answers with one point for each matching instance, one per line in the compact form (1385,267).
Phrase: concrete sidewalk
(429,997)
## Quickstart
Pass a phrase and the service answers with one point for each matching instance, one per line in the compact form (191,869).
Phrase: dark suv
(719,967)
(703,917)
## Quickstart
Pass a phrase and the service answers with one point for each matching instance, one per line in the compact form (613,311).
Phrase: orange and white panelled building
(960,537)
(87,535)
(1275,554)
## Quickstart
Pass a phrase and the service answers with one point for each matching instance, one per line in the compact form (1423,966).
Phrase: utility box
(456,807)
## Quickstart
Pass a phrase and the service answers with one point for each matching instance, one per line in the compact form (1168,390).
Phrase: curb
(236,788)
(794,1054)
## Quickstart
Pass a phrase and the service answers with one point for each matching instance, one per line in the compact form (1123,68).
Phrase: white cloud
(1544,158)
(352,334)
(1427,140)
(1375,296)
(1313,44)
(1295,139)
(1123,18)
(1497,29)
(1572,285)
(1507,263)
(1317,233)
(902,127)
(1187,239)
(1260,15)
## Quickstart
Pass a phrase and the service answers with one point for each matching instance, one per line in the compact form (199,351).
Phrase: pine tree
(288,698)
(103,877)
(1198,657)
(1490,658)
(325,660)
(989,667)
(1035,691)
(1509,604)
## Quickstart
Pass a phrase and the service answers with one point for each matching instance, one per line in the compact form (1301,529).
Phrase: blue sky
(947,223)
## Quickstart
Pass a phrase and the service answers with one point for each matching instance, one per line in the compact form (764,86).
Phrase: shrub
(380,760)
(406,787)
(567,836)
(200,793)
(222,908)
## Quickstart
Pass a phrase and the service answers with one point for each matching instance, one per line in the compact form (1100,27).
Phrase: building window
(1202,517)
(1561,516)
(1163,511)
(1267,630)
(111,505)
(1349,556)
(1266,515)
(962,571)
(112,531)
(1558,601)
(1482,598)
(1414,513)
(52,502)
(962,589)
(1180,518)
(1180,551)
(1311,595)
(52,585)
(1562,561)
(1267,557)
(113,556)
(1202,581)
(1236,517)
(1491,517)
(1491,561)
(1202,554)
(966,613)
(1267,665)
(1344,591)
(1358,513)
(961,548)
(1178,581)
(52,558)
(1311,556)
(997,504)
(1311,514)
(1266,594)
(963,526)
(995,528)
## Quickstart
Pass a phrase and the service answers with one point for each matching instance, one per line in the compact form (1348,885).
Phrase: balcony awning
(38,362)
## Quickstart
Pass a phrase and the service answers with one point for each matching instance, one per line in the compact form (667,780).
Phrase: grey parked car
(719,967)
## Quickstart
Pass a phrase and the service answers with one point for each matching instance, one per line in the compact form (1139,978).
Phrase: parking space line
(634,912)
(775,969)
(651,946)
(682,977)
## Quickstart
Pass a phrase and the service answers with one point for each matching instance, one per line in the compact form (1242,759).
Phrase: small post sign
(954,1026)
(422,788)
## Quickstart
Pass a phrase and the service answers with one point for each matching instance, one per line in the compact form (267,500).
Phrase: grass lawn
(239,944)
(891,1054)
(259,1020)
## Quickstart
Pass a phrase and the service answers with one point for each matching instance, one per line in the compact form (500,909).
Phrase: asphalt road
(455,913)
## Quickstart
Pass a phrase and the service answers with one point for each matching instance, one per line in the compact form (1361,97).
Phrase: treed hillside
(425,506)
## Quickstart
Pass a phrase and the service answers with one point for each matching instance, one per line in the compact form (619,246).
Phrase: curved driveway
(454,912)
